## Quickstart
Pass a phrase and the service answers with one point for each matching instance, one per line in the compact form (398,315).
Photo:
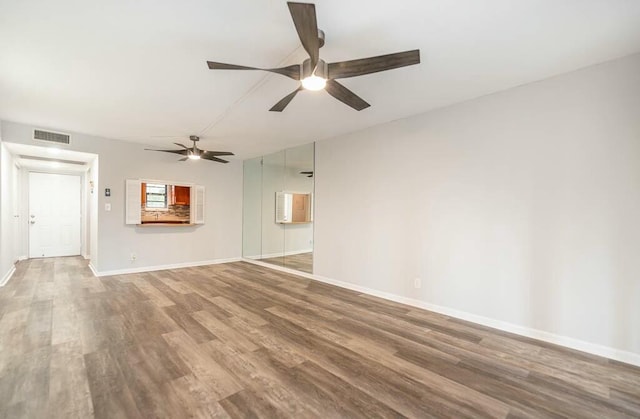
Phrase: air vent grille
(52,137)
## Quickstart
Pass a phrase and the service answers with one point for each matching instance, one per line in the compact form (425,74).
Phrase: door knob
(33,222)
(33,216)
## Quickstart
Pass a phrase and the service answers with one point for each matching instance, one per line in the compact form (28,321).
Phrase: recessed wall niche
(278,208)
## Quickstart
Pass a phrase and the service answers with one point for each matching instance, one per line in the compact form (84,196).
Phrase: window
(156,196)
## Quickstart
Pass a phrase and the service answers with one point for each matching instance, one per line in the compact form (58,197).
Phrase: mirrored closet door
(278,208)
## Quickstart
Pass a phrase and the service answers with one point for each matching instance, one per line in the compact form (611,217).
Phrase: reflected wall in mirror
(252,209)
(278,208)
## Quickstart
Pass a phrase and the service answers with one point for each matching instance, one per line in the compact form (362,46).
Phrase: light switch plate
(107,207)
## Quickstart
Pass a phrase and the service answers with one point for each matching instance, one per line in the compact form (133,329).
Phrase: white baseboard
(282,269)
(580,345)
(23,257)
(279,254)
(93,269)
(86,256)
(160,267)
(7,276)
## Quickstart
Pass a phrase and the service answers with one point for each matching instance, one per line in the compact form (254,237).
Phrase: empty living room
(338,209)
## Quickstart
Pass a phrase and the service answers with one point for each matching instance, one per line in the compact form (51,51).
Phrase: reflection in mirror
(165,204)
(298,235)
(293,208)
(252,209)
(278,208)
(273,169)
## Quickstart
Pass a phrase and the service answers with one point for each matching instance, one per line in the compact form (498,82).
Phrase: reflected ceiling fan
(315,74)
(309,174)
(194,153)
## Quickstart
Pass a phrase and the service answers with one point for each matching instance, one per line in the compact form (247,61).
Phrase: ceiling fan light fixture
(193,156)
(314,83)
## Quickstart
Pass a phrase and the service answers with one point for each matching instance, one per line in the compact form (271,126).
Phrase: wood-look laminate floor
(302,262)
(239,340)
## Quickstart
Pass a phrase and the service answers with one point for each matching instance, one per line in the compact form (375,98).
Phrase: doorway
(54,215)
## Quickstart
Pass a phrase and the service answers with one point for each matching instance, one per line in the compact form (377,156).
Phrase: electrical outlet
(417,283)
(133,257)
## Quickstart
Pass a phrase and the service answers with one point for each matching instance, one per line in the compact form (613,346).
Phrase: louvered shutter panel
(198,205)
(133,202)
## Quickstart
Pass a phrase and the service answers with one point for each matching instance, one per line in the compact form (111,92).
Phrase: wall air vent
(52,137)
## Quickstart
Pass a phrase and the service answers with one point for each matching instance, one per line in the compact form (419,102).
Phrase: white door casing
(17,234)
(54,215)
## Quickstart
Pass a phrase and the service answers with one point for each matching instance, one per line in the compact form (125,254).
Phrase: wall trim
(8,276)
(93,269)
(280,254)
(23,257)
(568,342)
(160,267)
(282,269)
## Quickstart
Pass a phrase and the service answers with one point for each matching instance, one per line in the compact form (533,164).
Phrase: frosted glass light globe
(314,83)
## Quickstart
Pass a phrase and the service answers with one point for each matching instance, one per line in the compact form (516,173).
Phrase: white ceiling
(136,70)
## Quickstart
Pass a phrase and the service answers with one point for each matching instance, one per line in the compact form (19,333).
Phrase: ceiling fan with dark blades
(194,153)
(315,74)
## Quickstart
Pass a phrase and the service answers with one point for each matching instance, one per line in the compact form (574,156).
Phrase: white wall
(7,242)
(218,239)
(522,206)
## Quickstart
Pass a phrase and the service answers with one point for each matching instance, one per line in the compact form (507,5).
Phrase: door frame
(26,207)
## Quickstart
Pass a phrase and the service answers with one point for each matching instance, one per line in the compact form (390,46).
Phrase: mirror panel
(278,208)
(252,209)
(273,170)
(299,184)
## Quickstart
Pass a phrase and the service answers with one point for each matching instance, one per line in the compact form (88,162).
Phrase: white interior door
(54,215)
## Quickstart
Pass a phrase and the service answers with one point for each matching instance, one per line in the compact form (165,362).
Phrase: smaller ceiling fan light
(314,83)
(193,156)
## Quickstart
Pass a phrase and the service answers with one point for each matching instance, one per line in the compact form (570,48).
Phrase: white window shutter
(197,204)
(133,202)
(284,207)
(281,211)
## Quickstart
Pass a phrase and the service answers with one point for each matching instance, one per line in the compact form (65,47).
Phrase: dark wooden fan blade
(214,159)
(181,145)
(344,69)
(217,153)
(184,159)
(183,152)
(279,107)
(345,95)
(304,18)
(306,173)
(292,71)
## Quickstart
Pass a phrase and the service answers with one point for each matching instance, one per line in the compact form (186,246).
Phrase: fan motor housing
(321,37)
(322,70)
